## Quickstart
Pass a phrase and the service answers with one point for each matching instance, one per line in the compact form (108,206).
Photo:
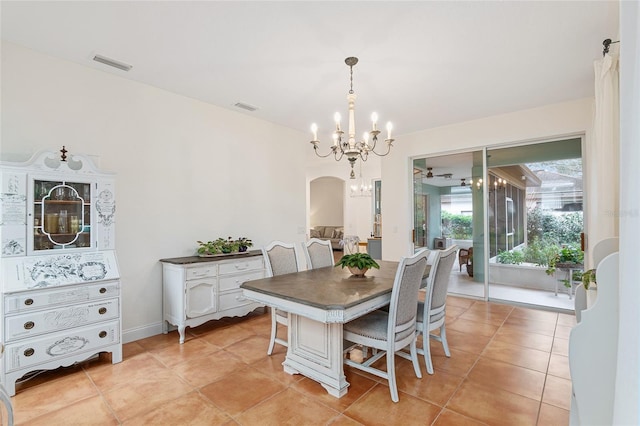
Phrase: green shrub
(458,226)
(513,257)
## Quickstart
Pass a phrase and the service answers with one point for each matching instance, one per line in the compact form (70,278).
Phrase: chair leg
(274,330)
(391,376)
(445,345)
(426,349)
(414,359)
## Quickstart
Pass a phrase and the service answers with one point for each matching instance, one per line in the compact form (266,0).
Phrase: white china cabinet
(60,288)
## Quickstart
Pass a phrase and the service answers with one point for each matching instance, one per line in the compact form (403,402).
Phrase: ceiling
(422,64)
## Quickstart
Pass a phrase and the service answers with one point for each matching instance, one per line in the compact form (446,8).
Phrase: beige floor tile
(191,409)
(144,394)
(358,386)
(517,355)
(552,416)
(566,320)
(376,408)
(522,338)
(241,390)
(494,406)
(52,395)
(472,327)
(89,411)
(495,308)
(161,340)
(132,349)
(559,366)
(460,302)
(209,368)
(534,314)
(530,326)
(468,342)
(562,332)
(451,418)
(343,420)
(174,354)
(560,346)
(225,336)
(557,392)
(108,376)
(458,364)
(484,316)
(435,388)
(272,366)
(509,377)
(281,409)
(252,348)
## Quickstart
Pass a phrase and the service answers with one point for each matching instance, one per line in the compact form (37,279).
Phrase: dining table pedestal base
(315,351)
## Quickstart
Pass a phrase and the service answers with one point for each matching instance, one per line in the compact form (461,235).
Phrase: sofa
(332,233)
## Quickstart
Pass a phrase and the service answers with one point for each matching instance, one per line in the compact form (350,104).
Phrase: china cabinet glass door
(61,215)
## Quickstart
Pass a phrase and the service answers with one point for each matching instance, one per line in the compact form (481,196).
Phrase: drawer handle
(103,290)
(29,325)
(102,311)
(29,352)
(28,302)
(201,273)
(102,334)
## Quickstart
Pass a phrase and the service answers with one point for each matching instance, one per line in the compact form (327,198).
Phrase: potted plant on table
(567,257)
(244,244)
(358,263)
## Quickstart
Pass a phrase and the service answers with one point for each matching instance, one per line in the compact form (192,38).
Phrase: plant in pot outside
(566,256)
(357,263)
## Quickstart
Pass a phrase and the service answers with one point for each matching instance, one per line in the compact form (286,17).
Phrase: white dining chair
(431,312)
(389,332)
(318,253)
(279,258)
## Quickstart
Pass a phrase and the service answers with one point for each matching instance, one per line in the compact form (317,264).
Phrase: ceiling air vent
(112,63)
(246,106)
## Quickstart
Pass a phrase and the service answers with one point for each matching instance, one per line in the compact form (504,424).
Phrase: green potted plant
(567,256)
(244,244)
(358,263)
(209,248)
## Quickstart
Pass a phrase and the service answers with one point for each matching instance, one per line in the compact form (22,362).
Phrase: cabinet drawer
(241,265)
(42,299)
(202,271)
(34,323)
(30,352)
(233,300)
(233,282)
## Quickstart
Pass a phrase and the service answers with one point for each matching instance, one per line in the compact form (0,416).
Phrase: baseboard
(133,334)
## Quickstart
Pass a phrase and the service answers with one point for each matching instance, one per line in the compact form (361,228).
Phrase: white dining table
(319,302)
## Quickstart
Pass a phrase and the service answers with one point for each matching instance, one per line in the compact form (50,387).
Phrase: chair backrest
(280,258)
(319,253)
(404,296)
(604,248)
(441,271)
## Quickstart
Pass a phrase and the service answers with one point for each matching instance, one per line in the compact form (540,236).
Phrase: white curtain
(603,158)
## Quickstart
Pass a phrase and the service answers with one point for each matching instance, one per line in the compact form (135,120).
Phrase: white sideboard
(199,289)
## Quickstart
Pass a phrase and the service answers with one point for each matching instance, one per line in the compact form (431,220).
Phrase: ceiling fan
(444,175)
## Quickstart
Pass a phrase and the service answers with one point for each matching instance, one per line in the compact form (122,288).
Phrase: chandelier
(350,147)
(362,188)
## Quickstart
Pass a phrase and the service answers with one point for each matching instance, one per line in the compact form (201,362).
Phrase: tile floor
(508,366)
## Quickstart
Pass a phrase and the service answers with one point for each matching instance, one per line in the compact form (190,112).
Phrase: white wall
(570,118)
(327,201)
(186,170)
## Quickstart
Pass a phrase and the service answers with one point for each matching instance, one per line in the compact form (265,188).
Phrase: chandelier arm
(389,145)
(315,149)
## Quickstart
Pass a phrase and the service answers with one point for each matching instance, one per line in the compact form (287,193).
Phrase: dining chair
(279,258)
(389,332)
(431,312)
(318,253)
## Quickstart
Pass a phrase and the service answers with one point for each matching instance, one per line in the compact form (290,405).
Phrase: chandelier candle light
(351,148)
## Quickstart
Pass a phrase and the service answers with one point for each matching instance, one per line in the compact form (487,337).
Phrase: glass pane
(61,215)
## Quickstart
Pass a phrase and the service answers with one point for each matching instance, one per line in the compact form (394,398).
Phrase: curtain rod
(606,43)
